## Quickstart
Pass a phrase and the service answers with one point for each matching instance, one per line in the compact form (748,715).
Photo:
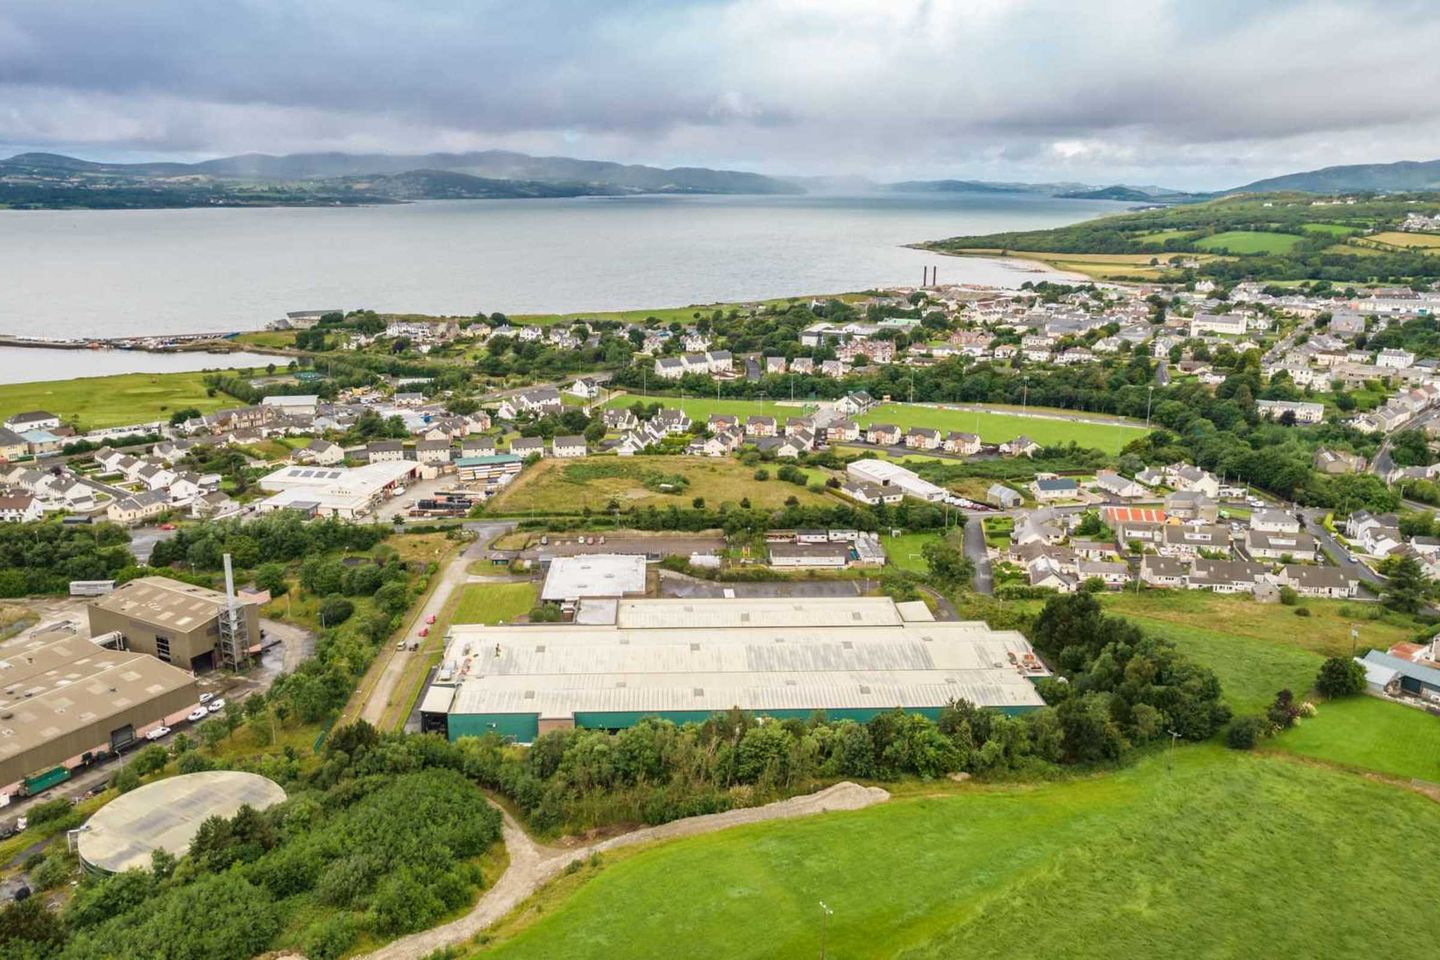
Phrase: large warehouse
(60,698)
(174,621)
(685,660)
(884,473)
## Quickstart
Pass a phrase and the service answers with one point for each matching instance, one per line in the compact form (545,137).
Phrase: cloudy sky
(1185,93)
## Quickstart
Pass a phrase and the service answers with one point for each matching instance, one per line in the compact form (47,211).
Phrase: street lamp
(1025,396)
(1149,393)
(824,926)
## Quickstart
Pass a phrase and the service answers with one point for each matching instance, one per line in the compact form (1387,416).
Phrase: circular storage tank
(166,815)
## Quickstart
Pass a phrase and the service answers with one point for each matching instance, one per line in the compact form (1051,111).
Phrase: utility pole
(1149,393)
(1025,396)
(825,913)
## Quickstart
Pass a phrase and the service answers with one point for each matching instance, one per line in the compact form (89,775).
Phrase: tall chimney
(229,580)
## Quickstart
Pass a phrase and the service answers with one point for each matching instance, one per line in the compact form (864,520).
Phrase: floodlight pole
(824,926)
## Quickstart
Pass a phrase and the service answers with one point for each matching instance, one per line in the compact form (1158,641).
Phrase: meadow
(91,402)
(904,551)
(1248,241)
(1403,238)
(701,408)
(559,486)
(1370,734)
(1176,856)
(1046,427)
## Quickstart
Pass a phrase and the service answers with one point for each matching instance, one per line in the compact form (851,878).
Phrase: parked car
(196,715)
(206,697)
(158,733)
(430,619)
(424,632)
(215,706)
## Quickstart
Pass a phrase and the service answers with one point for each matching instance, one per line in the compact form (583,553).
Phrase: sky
(1189,94)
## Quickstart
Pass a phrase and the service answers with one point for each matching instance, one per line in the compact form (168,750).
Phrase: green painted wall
(525,727)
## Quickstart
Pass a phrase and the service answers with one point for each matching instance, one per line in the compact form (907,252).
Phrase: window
(162,648)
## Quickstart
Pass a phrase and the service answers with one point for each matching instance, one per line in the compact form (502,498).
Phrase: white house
(568,446)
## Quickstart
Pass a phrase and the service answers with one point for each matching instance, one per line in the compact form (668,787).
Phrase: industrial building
(166,815)
(596,575)
(685,660)
(176,622)
(337,491)
(885,474)
(61,697)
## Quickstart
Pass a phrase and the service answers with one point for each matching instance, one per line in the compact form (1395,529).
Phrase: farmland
(994,871)
(1046,427)
(558,486)
(1401,238)
(92,402)
(1248,241)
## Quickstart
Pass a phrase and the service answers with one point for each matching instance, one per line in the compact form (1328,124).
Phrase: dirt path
(533,865)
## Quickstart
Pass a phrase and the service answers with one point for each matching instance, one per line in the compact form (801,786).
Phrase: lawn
(492,603)
(701,408)
(1046,427)
(904,551)
(1249,241)
(1372,734)
(91,402)
(560,486)
(1174,857)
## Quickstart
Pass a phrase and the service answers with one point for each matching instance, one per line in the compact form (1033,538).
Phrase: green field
(1249,241)
(1335,229)
(570,486)
(997,427)
(668,315)
(1371,734)
(904,551)
(701,408)
(493,603)
(1206,853)
(91,402)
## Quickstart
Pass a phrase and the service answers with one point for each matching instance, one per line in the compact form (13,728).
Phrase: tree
(1246,732)
(947,563)
(335,611)
(1407,589)
(1340,677)
(271,577)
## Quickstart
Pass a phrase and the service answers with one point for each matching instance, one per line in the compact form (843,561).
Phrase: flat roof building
(342,492)
(585,576)
(886,474)
(170,620)
(685,660)
(60,698)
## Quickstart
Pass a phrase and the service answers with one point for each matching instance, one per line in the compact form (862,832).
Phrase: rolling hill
(1406,175)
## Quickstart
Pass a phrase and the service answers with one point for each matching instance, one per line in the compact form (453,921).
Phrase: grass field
(1334,229)
(904,551)
(1160,236)
(1403,238)
(1206,853)
(1249,241)
(701,408)
(668,315)
(492,603)
(559,486)
(91,402)
(1371,734)
(996,427)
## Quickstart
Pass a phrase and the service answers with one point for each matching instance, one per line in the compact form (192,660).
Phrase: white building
(883,473)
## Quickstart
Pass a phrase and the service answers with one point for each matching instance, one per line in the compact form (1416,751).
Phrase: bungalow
(1313,581)
(1037,526)
(1112,484)
(1187,541)
(1338,461)
(539,401)
(1226,576)
(138,508)
(883,434)
(1021,446)
(1111,574)
(293,405)
(32,420)
(585,388)
(789,447)
(922,438)
(1095,549)
(871,493)
(1054,488)
(527,446)
(774,364)
(1003,497)
(573,446)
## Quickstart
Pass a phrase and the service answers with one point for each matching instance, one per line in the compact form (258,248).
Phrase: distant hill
(1404,176)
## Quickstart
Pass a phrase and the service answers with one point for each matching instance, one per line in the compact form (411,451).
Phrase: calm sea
(106,273)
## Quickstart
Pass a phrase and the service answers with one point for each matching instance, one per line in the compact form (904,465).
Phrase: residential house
(964,444)
(384,451)
(573,446)
(922,438)
(1094,549)
(842,431)
(1191,505)
(20,508)
(1182,476)
(1279,546)
(585,388)
(12,445)
(1113,575)
(138,508)
(1179,540)
(478,446)
(1226,576)
(1164,572)
(433,451)
(872,493)
(1391,359)
(855,403)
(1227,324)
(322,452)
(1048,488)
(1112,484)
(1300,412)
(618,419)
(32,420)
(1313,581)
(1274,521)
(1021,446)
(760,427)
(883,434)
(672,421)
(527,446)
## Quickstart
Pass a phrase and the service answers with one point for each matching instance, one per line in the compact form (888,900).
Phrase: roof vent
(529,694)
(864,688)
(699,691)
(539,648)
(694,648)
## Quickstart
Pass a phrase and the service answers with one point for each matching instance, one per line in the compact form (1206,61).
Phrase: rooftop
(163,602)
(594,575)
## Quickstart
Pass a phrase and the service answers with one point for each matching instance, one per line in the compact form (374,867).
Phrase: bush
(1340,677)
(1302,611)
(50,810)
(1245,732)
(335,611)
(149,760)
(54,871)
(1288,596)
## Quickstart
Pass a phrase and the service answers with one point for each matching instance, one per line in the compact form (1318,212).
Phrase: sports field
(1249,241)
(904,551)
(1201,853)
(570,486)
(91,402)
(493,603)
(701,408)
(1046,427)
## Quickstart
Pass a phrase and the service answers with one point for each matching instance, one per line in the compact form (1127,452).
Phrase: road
(975,550)
(1315,524)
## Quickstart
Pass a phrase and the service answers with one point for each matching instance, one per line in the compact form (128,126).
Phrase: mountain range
(38,180)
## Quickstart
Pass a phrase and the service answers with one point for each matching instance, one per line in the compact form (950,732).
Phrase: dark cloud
(1190,93)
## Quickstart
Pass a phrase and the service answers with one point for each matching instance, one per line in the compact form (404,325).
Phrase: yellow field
(570,486)
(1098,266)
(1400,238)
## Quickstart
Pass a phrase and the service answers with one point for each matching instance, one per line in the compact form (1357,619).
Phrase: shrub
(1288,596)
(1302,611)
(49,811)
(335,611)
(1245,732)
(54,871)
(1340,677)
